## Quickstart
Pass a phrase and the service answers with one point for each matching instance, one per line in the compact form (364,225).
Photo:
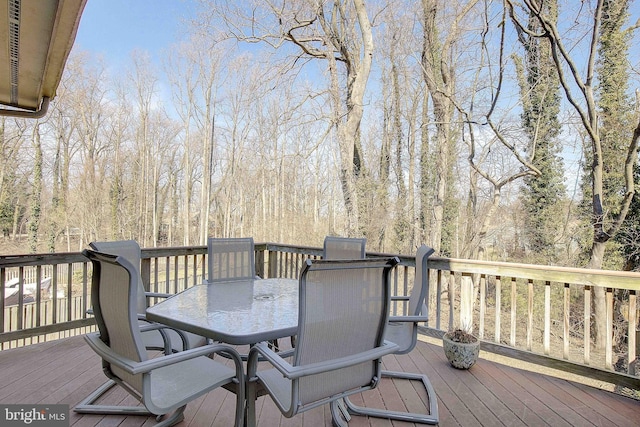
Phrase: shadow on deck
(489,394)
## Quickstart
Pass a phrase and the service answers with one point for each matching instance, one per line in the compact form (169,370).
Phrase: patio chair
(403,330)
(343,248)
(233,259)
(166,339)
(335,248)
(343,310)
(230,259)
(164,385)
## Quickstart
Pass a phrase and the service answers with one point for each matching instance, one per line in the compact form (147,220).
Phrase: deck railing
(541,314)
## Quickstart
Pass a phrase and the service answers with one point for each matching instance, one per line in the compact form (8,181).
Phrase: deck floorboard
(490,394)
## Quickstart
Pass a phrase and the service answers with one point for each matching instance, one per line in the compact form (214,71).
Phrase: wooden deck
(490,394)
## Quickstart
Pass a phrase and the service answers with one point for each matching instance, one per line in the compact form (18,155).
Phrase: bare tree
(182,73)
(11,144)
(338,32)
(36,191)
(63,129)
(89,98)
(207,54)
(439,73)
(578,77)
(119,132)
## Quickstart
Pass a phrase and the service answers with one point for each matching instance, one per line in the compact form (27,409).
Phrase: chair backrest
(114,296)
(405,333)
(344,248)
(230,259)
(344,307)
(129,250)
(420,288)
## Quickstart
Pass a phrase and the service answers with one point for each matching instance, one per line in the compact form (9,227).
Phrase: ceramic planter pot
(461,355)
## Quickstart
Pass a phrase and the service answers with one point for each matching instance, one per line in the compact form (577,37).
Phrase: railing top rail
(579,276)
(7,261)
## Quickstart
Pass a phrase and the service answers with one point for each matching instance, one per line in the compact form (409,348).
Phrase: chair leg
(343,409)
(88,405)
(252,395)
(174,418)
(337,415)
(430,418)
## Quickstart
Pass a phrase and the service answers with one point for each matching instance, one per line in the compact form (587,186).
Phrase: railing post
(273,264)
(260,262)
(145,273)
(466,303)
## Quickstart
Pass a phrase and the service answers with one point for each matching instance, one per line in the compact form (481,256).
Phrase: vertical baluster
(167,274)
(176,271)
(514,301)
(566,339)
(587,325)
(483,305)
(529,314)
(85,293)
(452,298)
(632,333)
(466,302)
(69,291)
(38,293)
(608,351)
(438,299)
(3,280)
(19,322)
(498,308)
(185,270)
(546,339)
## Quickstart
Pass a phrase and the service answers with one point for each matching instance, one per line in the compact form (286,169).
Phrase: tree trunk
(438,80)
(36,195)
(596,257)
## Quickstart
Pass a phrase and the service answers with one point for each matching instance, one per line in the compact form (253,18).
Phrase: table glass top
(237,312)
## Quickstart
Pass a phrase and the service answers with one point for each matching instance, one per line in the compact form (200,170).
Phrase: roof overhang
(36,37)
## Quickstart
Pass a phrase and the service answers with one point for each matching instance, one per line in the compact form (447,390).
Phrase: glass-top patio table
(236,312)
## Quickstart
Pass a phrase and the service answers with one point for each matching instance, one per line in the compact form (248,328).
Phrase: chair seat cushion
(279,387)
(402,334)
(174,385)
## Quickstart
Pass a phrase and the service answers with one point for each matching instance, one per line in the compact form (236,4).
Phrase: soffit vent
(14,46)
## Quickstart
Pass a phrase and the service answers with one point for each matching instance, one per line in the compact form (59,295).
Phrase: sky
(114,28)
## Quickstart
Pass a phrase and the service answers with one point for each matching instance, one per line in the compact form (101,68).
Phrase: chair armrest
(260,352)
(134,368)
(414,319)
(159,327)
(292,372)
(157,295)
(151,326)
